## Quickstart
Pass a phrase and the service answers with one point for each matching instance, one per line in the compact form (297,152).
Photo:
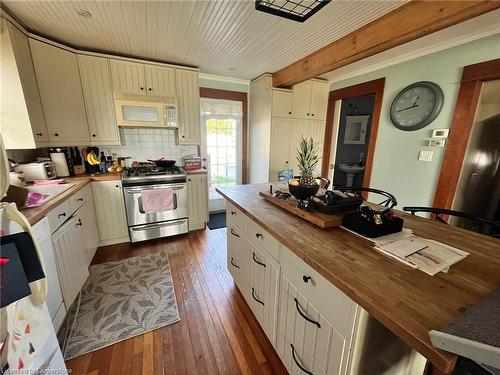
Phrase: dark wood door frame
(376,88)
(473,77)
(236,96)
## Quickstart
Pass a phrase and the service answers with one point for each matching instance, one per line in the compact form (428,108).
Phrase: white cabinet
(110,209)
(60,87)
(282,103)
(304,128)
(237,257)
(22,121)
(71,264)
(98,95)
(128,77)
(280,154)
(197,200)
(310,100)
(90,232)
(188,106)
(160,80)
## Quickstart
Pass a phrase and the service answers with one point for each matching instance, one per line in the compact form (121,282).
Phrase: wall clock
(417,105)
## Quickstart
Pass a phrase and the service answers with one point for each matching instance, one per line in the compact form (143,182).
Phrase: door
(282,103)
(160,81)
(60,87)
(222,146)
(71,264)
(98,95)
(197,201)
(127,77)
(188,106)
(110,209)
(280,146)
(301,103)
(319,99)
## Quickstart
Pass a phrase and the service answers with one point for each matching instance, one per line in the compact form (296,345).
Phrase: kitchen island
(407,301)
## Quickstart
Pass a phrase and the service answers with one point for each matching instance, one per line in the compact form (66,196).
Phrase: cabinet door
(98,95)
(160,81)
(127,77)
(280,146)
(90,232)
(110,209)
(262,289)
(197,193)
(316,130)
(61,93)
(319,100)
(299,129)
(282,103)
(188,106)
(301,104)
(237,257)
(70,259)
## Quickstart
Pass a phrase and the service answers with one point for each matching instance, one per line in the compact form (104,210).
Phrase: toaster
(42,170)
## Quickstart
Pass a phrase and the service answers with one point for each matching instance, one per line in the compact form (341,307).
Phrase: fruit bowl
(302,192)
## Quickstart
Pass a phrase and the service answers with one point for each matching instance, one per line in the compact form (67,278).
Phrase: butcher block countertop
(407,301)
(37,213)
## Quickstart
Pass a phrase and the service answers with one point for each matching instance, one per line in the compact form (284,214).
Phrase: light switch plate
(425,155)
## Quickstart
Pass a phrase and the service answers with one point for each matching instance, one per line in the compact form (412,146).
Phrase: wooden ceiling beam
(404,24)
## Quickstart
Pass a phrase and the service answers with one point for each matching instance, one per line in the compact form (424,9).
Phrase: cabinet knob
(117,186)
(56,134)
(142,88)
(289,113)
(312,114)
(150,89)
(80,199)
(308,114)
(259,235)
(306,278)
(182,136)
(39,134)
(233,213)
(189,179)
(93,135)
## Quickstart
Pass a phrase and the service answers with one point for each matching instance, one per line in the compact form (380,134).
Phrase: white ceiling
(213,35)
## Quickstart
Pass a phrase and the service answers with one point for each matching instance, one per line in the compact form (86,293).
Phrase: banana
(92,159)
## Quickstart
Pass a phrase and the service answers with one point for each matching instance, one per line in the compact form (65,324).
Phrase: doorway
(478,188)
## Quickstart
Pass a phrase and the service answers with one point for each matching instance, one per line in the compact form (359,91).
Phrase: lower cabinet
(90,231)
(110,209)
(197,200)
(70,258)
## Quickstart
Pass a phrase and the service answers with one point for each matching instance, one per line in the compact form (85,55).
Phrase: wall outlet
(440,133)
(425,155)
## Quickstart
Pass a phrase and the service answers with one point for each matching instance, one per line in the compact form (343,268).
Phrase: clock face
(416,106)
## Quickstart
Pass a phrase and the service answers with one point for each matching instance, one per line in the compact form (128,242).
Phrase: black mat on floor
(217,220)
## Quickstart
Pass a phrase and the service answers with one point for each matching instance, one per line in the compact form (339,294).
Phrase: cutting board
(317,218)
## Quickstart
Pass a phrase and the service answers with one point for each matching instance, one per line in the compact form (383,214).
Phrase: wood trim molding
(473,77)
(375,87)
(404,24)
(236,96)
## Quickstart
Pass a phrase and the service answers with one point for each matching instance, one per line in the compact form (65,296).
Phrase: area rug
(120,300)
(217,220)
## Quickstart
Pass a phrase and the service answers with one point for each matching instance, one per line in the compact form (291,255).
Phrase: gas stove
(150,174)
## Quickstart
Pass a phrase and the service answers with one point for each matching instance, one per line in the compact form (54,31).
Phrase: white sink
(49,191)
(350,171)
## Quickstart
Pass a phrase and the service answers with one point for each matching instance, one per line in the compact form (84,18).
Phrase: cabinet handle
(61,215)
(255,298)
(234,233)
(79,224)
(259,235)
(80,199)
(297,362)
(234,265)
(56,134)
(304,315)
(257,261)
(306,278)
(233,213)
(39,134)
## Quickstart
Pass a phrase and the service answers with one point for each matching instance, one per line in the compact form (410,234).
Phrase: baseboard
(113,241)
(196,226)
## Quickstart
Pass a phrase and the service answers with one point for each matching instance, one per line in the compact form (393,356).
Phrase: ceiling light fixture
(295,10)
(83,13)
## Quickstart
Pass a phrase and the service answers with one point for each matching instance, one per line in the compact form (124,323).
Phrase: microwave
(143,111)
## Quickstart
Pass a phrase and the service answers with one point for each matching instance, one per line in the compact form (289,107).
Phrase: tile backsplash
(142,144)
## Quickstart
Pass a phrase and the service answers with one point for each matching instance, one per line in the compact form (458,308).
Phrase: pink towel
(157,200)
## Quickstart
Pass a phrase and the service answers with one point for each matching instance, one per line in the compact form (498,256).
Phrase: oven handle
(152,187)
(154,226)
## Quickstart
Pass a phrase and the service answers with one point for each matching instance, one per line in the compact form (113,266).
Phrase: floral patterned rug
(120,300)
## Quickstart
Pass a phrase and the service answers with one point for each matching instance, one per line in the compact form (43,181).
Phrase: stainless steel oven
(144,226)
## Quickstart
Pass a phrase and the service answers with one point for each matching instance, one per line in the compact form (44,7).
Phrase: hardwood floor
(217,333)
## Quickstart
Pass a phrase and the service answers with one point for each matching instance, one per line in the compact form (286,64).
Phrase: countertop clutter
(407,301)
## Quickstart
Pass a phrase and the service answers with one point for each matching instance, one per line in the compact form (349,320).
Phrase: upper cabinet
(282,103)
(160,81)
(61,93)
(98,95)
(22,122)
(142,79)
(188,106)
(310,100)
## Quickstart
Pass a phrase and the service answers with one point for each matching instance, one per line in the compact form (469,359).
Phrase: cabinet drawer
(257,235)
(235,217)
(77,200)
(337,308)
(236,259)
(59,215)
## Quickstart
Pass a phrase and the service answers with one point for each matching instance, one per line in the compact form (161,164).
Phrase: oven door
(136,214)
